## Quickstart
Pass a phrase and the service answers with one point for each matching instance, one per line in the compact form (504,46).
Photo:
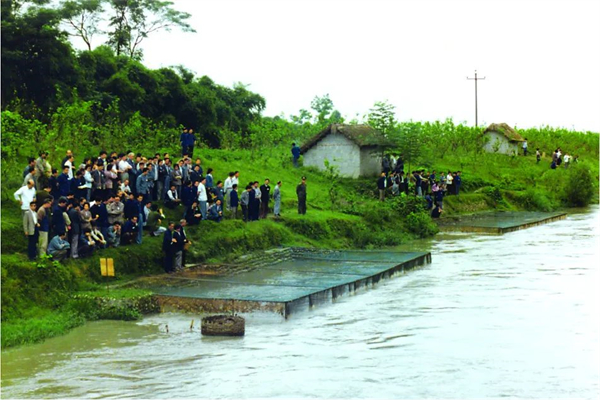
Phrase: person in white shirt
(227,186)
(25,195)
(566,160)
(202,197)
(69,163)
(173,199)
(125,187)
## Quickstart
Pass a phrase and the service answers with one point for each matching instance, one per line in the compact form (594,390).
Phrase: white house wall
(370,161)
(339,150)
(504,145)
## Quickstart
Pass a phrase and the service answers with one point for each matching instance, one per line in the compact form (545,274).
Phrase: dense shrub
(420,224)
(579,188)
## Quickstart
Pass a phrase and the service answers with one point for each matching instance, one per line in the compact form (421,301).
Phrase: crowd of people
(111,199)
(432,186)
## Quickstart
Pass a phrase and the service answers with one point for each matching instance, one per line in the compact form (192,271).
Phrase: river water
(492,316)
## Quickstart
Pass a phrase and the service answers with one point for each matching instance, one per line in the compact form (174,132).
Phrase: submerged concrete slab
(499,222)
(300,280)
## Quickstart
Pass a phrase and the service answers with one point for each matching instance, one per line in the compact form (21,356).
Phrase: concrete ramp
(285,282)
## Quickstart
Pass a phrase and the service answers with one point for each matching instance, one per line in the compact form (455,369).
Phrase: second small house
(355,149)
(503,139)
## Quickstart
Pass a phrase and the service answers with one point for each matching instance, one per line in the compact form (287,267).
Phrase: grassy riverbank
(41,300)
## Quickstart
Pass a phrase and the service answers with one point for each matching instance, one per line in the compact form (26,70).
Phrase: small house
(355,149)
(502,139)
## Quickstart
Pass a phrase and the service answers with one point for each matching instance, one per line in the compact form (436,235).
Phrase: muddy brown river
(493,316)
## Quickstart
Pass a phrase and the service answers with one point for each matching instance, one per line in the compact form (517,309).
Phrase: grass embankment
(41,300)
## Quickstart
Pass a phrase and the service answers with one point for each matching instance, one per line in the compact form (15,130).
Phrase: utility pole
(476,79)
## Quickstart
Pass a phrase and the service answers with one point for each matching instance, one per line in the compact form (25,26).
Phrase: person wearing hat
(301,193)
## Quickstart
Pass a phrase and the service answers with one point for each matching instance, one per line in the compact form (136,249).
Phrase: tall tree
(323,106)
(382,117)
(83,18)
(133,20)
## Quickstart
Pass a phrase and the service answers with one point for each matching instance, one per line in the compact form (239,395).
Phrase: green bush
(579,188)
(420,224)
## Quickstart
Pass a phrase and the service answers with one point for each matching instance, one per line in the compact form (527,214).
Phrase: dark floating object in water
(223,325)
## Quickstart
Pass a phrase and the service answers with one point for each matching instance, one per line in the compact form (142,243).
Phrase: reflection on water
(492,316)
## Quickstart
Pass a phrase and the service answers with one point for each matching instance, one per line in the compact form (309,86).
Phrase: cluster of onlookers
(559,158)
(109,200)
(432,186)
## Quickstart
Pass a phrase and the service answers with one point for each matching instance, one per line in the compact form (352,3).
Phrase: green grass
(43,302)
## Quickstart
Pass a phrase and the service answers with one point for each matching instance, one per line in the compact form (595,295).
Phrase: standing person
(89,181)
(143,185)
(167,247)
(457,183)
(42,169)
(99,181)
(295,154)
(202,197)
(59,247)
(75,231)
(188,196)
(525,147)
(227,186)
(183,140)
(190,143)
(58,222)
(558,157)
(31,226)
(43,216)
(30,175)
(160,183)
(277,199)
(538,155)
(178,245)
(265,193)
(382,185)
(25,195)
(69,164)
(53,183)
(85,215)
(30,167)
(566,160)
(255,205)
(209,179)
(177,179)
(233,201)
(385,164)
(301,193)
(450,183)
(64,182)
(115,209)
(245,202)
(219,192)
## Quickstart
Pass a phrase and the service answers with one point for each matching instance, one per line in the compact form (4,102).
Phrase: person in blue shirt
(457,182)
(295,154)
(131,207)
(129,231)
(64,184)
(183,139)
(234,201)
(215,213)
(59,247)
(191,141)
(209,178)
